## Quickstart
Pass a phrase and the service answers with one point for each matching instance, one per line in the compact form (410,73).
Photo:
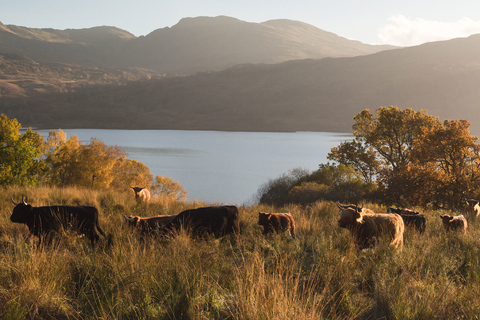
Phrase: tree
(166,187)
(454,154)
(20,154)
(131,173)
(382,147)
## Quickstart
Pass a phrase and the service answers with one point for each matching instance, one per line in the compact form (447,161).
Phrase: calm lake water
(216,166)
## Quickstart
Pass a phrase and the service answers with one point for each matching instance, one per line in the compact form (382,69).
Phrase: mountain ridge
(192,45)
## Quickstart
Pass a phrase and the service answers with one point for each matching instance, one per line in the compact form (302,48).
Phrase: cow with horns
(368,228)
(42,221)
(141,194)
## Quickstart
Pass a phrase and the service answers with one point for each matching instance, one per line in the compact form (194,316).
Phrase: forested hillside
(302,95)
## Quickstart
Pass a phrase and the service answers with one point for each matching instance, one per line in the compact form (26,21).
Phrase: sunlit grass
(318,275)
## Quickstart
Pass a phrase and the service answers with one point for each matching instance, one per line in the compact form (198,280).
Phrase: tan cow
(455,223)
(368,228)
(278,222)
(141,194)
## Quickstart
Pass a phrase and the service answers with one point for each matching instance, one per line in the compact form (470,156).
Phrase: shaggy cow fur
(367,228)
(456,223)
(278,222)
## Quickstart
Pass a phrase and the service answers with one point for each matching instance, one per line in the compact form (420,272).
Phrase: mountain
(192,45)
(212,44)
(302,95)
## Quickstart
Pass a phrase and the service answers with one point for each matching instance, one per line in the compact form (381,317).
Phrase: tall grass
(318,275)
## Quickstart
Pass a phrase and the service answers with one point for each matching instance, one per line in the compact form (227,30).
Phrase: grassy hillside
(319,275)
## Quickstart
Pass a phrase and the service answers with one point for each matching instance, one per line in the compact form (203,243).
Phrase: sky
(402,23)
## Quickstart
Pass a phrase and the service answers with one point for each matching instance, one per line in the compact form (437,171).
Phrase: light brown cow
(455,223)
(368,228)
(148,224)
(141,194)
(278,222)
(472,207)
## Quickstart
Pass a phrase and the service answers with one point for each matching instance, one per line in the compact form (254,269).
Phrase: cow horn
(14,202)
(127,218)
(157,229)
(24,202)
(339,206)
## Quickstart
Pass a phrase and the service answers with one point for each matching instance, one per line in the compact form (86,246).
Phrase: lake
(216,166)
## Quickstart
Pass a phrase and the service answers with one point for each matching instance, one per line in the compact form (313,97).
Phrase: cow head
(132,221)
(137,190)
(349,217)
(446,219)
(263,218)
(21,212)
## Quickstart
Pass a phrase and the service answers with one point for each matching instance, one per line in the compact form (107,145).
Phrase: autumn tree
(168,188)
(92,165)
(454,155)
(20,154)
(382,147)
(413,157)
(130,173)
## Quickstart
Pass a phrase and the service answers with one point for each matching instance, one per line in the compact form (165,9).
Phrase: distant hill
(192,45)
(303,95)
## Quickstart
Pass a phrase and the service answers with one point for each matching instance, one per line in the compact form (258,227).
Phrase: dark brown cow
(276,222)
(368,228)
(146,224)
(218,221)
(410,218)
(43,221)
(401,211)
(454,223)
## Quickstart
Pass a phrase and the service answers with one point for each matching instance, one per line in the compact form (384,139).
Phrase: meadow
(318,275)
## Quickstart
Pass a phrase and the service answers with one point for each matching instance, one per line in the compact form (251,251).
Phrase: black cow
(410,218)
(218,221)
(41,221)
(418,221)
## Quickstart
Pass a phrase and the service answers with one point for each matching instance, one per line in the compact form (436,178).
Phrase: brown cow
(367,228)
(278,222)
(472,207)
(455,223)
(146,225)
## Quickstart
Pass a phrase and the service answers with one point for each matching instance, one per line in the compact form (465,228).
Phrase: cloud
(403,31)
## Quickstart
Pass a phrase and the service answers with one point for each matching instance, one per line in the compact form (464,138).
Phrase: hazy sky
(406,22)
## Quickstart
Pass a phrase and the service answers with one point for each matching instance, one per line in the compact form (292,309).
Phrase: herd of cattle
(365,226)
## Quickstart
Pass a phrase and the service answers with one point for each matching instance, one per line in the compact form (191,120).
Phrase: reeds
(318,275)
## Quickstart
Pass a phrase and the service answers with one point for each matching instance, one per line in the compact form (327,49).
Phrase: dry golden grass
(319,275)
